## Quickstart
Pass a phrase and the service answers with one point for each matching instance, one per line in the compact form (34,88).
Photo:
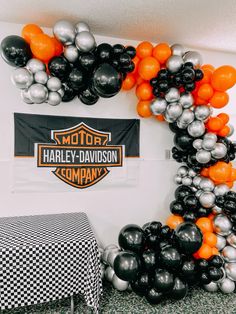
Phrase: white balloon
(119,284)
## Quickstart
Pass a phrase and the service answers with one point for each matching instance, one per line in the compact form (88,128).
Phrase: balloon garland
(198,243)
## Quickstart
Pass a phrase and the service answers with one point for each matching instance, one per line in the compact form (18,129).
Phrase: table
(48,257)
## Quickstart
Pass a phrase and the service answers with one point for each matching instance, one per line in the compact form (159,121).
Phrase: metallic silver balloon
(38,93)
(61,91)
(194,189)
(222,225)
(64,31)
(22,78)
(211,136)
(202,112)
(168,118)
(187,181)
(158,106)
(85,41)
(71,53)
(219,151)
(181,125)
(172,95)
(119,284)
(207,199)
(54,98)
(177,50)
(186,100)
(109,273)
(174,110)
(194,57)
(197,144)
(192,173)
(196,128)
(174,63)
(211,287)
(221,242)
(206,185)
(229,254)
(231,128)
(41,77)
(208,144)
(54,84)
(82,27)
(198,193)
(203,156)
(186,117)
(107,250)
(177,179)
(196,181)
(221,189)
(217,210)
(182,171)
(25,96)
(111,256)
(230,269)
(231,239)
(35,65)
(227,285)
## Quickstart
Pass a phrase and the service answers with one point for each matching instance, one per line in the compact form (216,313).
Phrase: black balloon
(15,51)
(87,61)
(216,261)
(190,216)
(142,284)
(204,278)
(127,266)
(191,202)
(170,258)
(182,191)
(166,232)
(118,49)
(131,51)
(155,227)
(230,206)
(202,264)
(106,81)
(163,280)
(188,270)
(183,141)
(152,240)
(132,237)
(215,273)
(179,290)
(149,260)
(188,237)
(231,196)
(88,97)
(124,59)
(153,296)
(104,52)
(59,67)
(69,92)
(77,79)
(177,208)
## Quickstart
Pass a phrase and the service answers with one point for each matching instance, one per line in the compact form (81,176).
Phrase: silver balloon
(177,179)
(71,53)
(85,41)
(217,210)
(61,91)
(196,181)
(54,84)
(230,269)
(202,112)
(207,199)
(194,189)
(177,50)
(196,128)
(35,65)
(41,77)
(206,185)
(119,284)
(22,78)
(186,100)
(174,63)
(222,225)
(208,144)
(211,136)
(174,110)
(198,193)
(203,156)
(192,173)
(229,254)
(219,151)
(197,144)
(103,269)
(227,286)
(158,106)
(107,250)
(187,181)
(172,95)
(194,57)
(181,125)
(82,27)
(186,117)
(231,128)
(100,252)
(38,93)
(211,287)
(231,239)
(109,273)
(111,256)
(182,171)
(25,96)
(54,98)
(221,242)
(168,118)
(64,31)
(221,189)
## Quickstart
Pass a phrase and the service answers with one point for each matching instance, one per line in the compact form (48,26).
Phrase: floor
(115,302)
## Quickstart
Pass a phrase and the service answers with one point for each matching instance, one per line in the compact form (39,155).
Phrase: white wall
(107,211)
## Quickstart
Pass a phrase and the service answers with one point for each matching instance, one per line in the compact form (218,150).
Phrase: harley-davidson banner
(64,153)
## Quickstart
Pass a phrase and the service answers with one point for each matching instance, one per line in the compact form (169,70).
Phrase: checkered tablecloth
(48,257)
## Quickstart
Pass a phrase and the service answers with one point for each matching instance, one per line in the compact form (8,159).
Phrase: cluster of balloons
(218,125)
(69,64)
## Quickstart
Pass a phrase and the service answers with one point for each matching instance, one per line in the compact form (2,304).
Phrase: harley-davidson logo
(80,155)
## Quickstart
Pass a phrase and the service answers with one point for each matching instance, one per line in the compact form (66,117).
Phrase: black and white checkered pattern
(48,257)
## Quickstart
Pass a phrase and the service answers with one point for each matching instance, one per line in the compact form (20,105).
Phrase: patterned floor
(114,302)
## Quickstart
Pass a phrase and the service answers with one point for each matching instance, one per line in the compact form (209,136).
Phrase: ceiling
(207,24)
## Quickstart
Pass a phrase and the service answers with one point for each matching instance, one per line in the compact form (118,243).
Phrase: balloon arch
(197,246)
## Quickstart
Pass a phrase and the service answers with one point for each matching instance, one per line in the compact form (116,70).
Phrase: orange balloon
(224,117)
(199,101)
(220,172)
(230,184)
(205,172)
(215,251)
(160,117)
(135,60)
(148,68)
(211,216)
(161,52)
(232,175)
(143,108)
(224,131)
(129,82)
(29,31)
(215,124)
(174,220)
(204,224)
(144,49)
(223,78)
(144,91)
(205,91)
(139,80)
(58,47)
(208,67)
(210,238)
(42,46)
(219,99)
(205,251)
